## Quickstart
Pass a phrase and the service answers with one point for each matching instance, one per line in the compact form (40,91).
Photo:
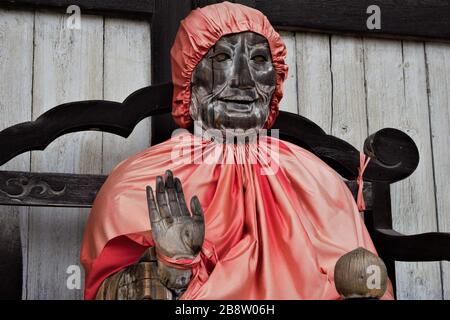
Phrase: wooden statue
(267,219)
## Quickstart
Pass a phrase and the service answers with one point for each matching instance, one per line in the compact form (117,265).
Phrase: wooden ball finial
(360,274)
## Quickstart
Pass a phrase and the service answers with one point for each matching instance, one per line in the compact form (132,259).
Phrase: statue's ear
(193,107)
(198,79)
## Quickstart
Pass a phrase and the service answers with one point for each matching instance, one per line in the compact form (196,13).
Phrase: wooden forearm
(136,282)
(177,280)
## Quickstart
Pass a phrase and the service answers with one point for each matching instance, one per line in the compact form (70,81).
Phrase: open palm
(177,233)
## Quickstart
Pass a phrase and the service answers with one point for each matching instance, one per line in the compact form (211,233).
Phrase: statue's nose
(242,77)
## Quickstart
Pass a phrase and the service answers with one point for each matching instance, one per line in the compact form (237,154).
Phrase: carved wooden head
(232,85)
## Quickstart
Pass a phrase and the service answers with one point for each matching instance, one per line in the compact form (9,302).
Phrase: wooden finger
(161,198)
(196,208)
(171,195)
(152,209)
(181,199)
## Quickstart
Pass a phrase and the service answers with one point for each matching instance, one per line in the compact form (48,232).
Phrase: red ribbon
(363,162)
(207,254)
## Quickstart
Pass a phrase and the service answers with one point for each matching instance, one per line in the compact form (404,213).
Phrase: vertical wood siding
(67,66)
(16,70)
(438,75)
(350,86)
(127,68)
(353,87)
(43,64)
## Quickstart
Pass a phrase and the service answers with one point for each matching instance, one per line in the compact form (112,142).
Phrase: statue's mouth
(240,100)
(240,104)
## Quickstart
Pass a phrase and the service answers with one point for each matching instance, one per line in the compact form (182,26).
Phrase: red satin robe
(277,217)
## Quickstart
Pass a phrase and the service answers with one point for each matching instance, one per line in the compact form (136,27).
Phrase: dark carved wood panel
(430,246)
(49,189)
(427,19)
(399,19)
(164,28)
(10,256)
(100,115)
(424,19)
(77,190)
(394,246)
(74,190)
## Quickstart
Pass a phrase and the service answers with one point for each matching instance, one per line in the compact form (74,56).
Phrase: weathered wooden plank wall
(67,66)
(397,97)
(16,69)
(350,86)
(127,68)
(106,59)
(438,75)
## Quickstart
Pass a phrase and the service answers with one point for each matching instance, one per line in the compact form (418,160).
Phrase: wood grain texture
(126,69)
(349,118)
(134,8)
(36,189)
(329,81)
(290,99)
(417,19)
(396,97)
(119,118)
(438,63)
(165,23)
(399,19)
(79,190)
(314,78)
(68,66)
(16,65)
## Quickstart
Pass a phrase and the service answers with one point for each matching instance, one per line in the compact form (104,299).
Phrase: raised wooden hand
(177,233)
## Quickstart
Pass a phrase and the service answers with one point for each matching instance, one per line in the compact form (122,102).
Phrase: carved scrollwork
(22,187)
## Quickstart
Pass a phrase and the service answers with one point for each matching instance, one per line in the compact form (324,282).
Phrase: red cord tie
(207,253)
(363,162)
(183,264)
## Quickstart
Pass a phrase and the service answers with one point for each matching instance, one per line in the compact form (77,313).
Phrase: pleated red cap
(199,31)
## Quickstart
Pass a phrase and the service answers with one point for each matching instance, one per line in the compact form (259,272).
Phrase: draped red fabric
(277,218)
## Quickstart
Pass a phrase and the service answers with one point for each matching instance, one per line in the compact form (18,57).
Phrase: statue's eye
(259,58)
(221,57)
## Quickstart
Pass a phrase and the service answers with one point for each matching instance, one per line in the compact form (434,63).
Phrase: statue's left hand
(177,234)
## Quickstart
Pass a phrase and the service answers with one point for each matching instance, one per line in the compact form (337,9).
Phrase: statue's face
(232,85)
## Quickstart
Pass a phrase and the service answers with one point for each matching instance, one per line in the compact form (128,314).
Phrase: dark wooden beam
(415,19)
(100,115)
(381,217)
(10,256)
(409,19)
(131,8)
(77,190)
(429,246)
(202,3)
(49,189)
(165,22)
